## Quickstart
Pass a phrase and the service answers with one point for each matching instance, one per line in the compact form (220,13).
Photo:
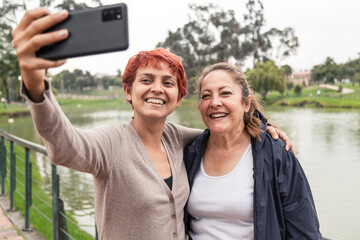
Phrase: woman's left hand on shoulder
(277,133)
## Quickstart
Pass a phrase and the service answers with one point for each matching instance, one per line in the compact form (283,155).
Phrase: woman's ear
(178,102)
(128,95)
(247,103)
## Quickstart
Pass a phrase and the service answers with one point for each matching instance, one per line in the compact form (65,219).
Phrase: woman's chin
(218,130)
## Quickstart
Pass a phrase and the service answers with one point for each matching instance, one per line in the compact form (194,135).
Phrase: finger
(37,26)
(39,63)
(41,40)
(29,17)
(41,24)
(284,137)
(272,131)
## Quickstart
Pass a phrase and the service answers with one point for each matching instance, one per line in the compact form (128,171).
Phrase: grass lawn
(12,109)
(308,98)
(89,105)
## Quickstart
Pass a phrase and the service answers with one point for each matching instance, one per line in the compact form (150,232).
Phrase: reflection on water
(328,147)
(327,144)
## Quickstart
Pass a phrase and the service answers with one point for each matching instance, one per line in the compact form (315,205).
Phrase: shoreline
(304,102)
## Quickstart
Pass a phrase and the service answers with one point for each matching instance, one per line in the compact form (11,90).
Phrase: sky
(324,28)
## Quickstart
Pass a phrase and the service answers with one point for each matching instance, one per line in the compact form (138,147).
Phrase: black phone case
(91,31)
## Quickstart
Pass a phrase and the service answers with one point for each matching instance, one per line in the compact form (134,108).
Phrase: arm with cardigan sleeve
(82,150)
(301,221)
(187,135)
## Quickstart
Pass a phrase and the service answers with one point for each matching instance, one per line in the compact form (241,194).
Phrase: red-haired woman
(140,181)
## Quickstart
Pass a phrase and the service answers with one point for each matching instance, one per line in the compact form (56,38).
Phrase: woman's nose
(216,101)
(157,87)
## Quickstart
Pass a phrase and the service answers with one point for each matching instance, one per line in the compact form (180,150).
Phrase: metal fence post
(55,202)
(12,175)
(2,165)
(63,230)
(28,193)
(96,233)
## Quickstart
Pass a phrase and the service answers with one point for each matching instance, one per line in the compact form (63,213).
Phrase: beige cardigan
(132,201)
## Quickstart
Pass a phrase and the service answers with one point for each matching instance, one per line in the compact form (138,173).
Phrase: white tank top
(223,205)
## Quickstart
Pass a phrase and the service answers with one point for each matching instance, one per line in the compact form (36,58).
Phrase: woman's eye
(226,93)
(145,80)
(205,96)
(169,83)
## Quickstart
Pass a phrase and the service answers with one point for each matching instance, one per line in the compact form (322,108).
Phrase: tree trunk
(6,88)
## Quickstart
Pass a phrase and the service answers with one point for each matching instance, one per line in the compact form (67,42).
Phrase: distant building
(300,77)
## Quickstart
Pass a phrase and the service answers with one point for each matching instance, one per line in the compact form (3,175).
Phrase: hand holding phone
(91,31)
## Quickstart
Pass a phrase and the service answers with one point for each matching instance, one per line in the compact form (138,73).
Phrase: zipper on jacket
(254,198)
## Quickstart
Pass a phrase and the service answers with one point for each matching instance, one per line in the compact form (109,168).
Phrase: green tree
(298,89)
(214,35)
(108,81)
(84,80)
(118,78)
(351,68)
(289,85)
(192,85)
(265,77)
(64,81)
(76,80)
(9,70)
(273,44)
(356,77)
(9,73)
(210,36)
(328,71)
(287,70)
(72,4)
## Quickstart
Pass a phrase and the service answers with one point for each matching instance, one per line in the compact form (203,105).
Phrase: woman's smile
(155,101)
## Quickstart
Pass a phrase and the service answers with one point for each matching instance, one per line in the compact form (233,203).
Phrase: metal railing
(58,218)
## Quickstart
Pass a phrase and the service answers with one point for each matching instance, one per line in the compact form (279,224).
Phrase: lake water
(327,142)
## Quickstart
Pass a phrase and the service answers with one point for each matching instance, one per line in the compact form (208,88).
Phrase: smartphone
(91,31)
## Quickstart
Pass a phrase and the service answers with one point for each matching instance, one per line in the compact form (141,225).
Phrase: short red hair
(154,58)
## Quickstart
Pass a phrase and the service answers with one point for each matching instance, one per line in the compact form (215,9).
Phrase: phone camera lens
(111,14)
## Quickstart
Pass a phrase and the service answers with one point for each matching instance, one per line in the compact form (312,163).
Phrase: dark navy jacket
(283,204)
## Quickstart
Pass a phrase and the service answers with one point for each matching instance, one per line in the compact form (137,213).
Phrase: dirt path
(344,90)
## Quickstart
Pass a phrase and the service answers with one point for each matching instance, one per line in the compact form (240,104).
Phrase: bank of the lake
(110,99)
(318,96)
(68,104)
(13,110)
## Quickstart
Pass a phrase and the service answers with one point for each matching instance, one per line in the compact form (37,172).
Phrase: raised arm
(28,37)
(82,150)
